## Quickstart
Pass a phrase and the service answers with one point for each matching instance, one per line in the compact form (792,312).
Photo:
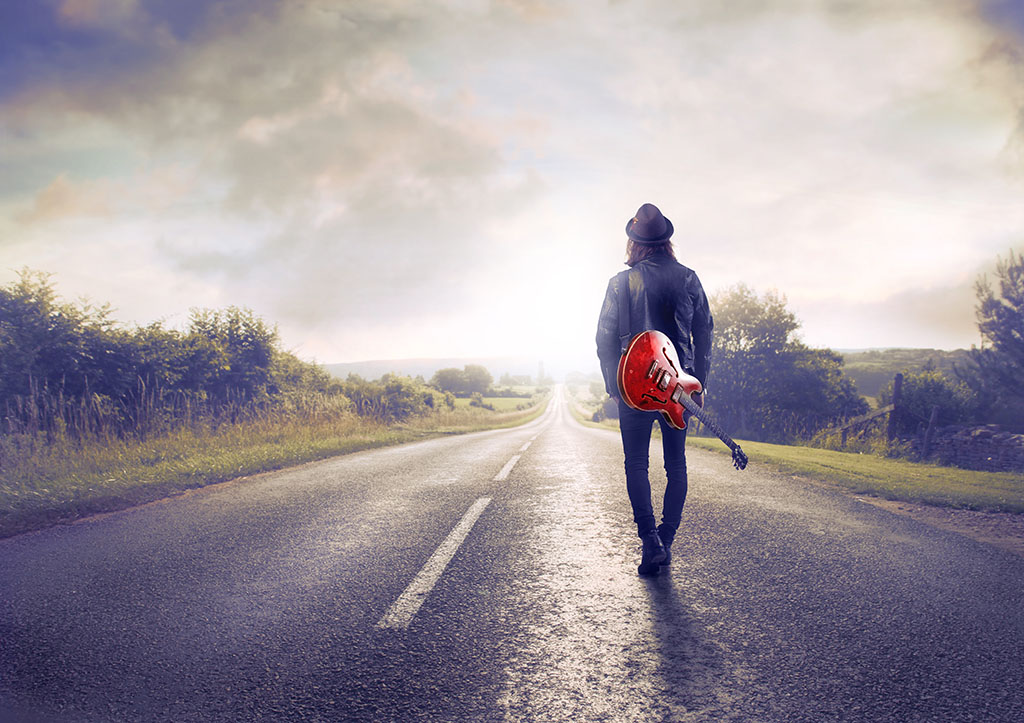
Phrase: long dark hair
(635,253)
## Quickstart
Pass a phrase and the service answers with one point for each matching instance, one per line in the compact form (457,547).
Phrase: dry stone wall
(982,448)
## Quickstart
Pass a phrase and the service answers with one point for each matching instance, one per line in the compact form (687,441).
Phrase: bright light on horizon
(433,180)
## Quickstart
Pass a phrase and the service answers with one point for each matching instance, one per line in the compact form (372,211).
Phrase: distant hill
(376,368)
(870,369)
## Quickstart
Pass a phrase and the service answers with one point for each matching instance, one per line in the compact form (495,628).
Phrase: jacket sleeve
(701,329)
(608,351)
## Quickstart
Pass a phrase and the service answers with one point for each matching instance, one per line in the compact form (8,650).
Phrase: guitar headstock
(739,459)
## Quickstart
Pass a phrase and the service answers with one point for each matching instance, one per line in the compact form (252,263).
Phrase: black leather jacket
(663,295)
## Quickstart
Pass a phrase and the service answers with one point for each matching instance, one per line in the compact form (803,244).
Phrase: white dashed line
(506,469)
(401,613)
(526,446)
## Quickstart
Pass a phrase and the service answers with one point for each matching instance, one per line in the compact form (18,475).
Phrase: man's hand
(699,398)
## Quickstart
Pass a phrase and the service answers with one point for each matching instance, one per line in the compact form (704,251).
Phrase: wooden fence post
(897,394)
(930,432)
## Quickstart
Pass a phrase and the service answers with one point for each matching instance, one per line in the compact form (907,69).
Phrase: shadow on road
(694,676)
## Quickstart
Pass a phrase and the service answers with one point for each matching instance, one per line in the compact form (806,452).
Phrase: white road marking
(401,613)
(534,436)
(525,446)
(506,469)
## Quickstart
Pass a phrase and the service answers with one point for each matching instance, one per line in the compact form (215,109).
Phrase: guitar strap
(625,325)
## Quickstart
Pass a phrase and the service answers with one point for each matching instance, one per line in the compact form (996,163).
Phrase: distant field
(871,370)
(500,404)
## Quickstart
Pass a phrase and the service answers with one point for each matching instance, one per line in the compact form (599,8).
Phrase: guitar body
(650,377)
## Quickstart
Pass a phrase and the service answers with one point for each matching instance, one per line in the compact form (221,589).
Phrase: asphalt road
(410,584)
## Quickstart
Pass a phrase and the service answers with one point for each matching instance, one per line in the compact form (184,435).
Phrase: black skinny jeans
(635,427)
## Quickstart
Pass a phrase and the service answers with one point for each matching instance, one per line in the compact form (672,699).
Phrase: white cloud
(376,177)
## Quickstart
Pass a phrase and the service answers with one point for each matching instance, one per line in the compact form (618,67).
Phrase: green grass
(582,407)
(46,483)
(500,404)
(866,474)
(583,414)
(892,479)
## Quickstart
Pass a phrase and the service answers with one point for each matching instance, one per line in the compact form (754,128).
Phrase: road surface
(492,576)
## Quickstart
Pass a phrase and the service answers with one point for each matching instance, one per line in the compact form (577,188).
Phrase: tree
(477,379)
(765,383)
(816,386)
(749,334)
(463,382)
(997,369)
(247,345)
(57,358)
(449,380)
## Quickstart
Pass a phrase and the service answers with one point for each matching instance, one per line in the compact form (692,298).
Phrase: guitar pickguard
(668,358)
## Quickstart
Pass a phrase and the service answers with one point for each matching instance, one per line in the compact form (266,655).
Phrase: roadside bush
(869,439)
(477,400)
(69,370)
(393,398)
(926,389)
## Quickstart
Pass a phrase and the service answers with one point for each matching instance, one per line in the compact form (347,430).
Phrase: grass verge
(582,409)
(891,479)
(866,474)
(45,484)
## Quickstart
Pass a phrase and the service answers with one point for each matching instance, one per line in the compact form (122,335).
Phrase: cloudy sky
(387,179)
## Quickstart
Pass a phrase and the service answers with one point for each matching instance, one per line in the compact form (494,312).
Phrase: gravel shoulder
(1004,530)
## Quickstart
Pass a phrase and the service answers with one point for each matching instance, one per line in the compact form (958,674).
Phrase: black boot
(666,534)
(653,554)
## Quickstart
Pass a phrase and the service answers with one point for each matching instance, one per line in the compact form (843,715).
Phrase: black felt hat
(649,227)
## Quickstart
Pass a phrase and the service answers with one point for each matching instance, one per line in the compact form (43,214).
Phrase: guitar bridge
(653,368)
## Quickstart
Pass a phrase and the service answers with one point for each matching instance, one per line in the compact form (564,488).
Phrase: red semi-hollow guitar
(651,379)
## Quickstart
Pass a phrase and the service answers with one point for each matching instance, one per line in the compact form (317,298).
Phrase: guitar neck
(698,411)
